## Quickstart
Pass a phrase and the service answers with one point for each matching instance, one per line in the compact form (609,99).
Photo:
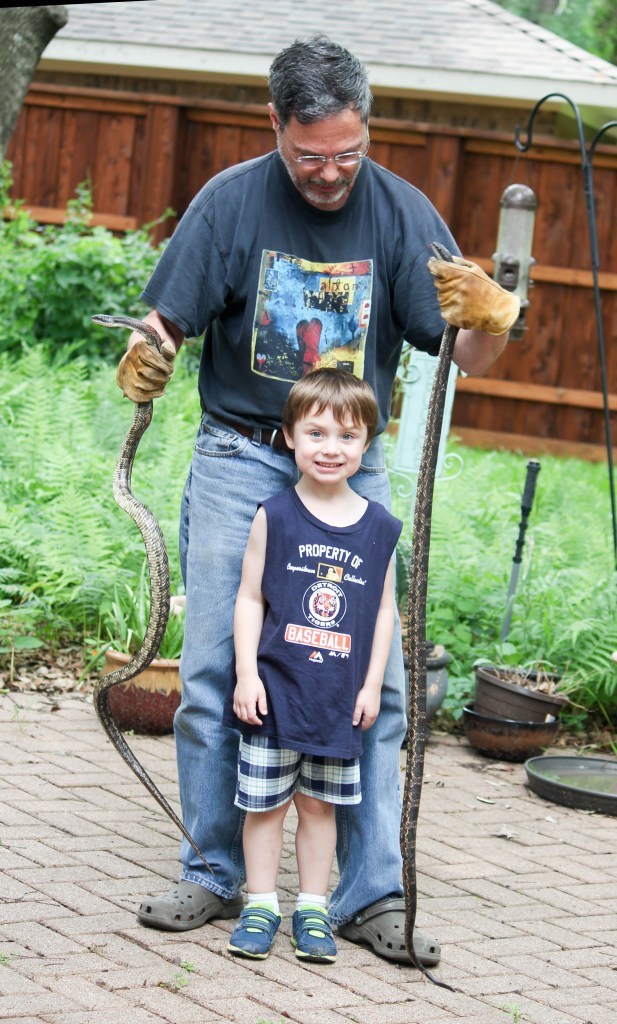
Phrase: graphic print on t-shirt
(309,315)
(324,606)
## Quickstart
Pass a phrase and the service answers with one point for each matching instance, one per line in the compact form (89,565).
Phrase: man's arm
(475,351)
(143,372)
(250,694)
(369,697)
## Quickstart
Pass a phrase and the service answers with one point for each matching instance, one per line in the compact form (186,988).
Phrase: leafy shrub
(55,277)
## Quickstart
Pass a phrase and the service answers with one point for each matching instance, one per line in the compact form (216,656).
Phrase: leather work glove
(470,299)
(143,372)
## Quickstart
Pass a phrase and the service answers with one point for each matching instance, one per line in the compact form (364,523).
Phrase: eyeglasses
(351,159)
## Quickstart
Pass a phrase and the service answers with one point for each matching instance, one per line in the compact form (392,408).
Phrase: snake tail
(416,642)
(158,569)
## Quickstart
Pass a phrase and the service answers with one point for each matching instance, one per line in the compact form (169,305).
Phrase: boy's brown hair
(333,389)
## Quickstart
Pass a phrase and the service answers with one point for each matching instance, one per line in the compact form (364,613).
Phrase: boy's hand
(250,697)
(367,707)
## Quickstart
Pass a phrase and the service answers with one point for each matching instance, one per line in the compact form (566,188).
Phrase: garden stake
(158,567)
(416,636)
(533,468)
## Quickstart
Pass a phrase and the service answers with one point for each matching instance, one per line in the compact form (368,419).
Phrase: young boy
(313,625)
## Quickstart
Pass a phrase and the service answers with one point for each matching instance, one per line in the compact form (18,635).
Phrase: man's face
(328,186)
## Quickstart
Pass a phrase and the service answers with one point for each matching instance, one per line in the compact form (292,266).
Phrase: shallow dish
(588,783)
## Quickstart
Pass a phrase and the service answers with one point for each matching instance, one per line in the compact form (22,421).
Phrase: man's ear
(274,118)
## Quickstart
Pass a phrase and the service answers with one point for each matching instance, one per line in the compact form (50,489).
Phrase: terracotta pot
(507,740)
(147,703)
(496,696)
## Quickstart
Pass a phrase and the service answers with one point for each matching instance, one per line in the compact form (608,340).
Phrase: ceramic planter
(507,740)
(147,703)
(497,696)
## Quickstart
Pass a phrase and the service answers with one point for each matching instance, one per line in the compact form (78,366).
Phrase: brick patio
(521,894)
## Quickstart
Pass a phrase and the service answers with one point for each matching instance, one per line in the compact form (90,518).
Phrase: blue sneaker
(254,934)
(312,935)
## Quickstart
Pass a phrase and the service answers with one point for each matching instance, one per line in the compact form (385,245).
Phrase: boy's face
(327,451)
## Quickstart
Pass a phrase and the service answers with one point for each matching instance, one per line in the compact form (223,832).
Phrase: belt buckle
(271,441)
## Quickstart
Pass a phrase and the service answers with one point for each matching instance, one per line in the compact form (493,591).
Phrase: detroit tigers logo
(324,604)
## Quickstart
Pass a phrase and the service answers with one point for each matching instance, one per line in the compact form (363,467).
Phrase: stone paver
(521,893)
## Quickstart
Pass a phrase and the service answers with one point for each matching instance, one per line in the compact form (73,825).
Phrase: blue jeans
(229,475)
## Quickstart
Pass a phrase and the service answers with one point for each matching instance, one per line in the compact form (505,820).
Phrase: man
(314,232)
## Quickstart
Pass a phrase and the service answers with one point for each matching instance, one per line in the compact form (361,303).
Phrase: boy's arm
(369,698)
(250,694)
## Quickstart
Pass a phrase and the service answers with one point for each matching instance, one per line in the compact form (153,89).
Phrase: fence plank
(41,152)
(157,186)
(525,392)
(112,169)
(444,165)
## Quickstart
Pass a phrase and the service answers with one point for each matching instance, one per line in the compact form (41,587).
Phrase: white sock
(264,897)
(310,897)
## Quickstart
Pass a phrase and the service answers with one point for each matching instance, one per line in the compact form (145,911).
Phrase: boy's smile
(327,451)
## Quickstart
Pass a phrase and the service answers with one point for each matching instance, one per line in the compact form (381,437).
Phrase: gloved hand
(470,299)
(143,372)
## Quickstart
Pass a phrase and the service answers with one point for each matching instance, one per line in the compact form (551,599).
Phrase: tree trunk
(24,34)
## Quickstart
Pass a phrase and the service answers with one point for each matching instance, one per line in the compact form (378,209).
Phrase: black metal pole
(587,169)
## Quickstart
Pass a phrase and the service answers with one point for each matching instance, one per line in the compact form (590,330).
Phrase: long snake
(416,609)
(158,568)
(416,634)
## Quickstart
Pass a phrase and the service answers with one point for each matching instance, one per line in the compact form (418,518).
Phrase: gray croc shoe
(382,926)
(188,905)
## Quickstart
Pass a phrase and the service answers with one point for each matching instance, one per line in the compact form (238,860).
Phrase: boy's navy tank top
(322,586)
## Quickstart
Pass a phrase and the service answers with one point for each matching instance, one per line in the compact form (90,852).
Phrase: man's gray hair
(315,78)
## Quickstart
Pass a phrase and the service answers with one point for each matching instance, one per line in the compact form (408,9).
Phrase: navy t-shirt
(322,586)
(281,287)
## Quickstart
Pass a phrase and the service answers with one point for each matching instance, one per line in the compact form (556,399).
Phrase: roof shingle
(471,36)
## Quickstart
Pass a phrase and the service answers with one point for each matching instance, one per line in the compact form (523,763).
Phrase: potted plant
(147,703)
(524,693)
(515,713)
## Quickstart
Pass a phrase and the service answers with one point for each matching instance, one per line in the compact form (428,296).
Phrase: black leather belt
(274,438)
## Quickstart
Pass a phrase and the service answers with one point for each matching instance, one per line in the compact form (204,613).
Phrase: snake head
(440,252)
(146,330)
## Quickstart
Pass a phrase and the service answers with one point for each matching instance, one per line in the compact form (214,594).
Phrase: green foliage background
(591,24)
(565,606)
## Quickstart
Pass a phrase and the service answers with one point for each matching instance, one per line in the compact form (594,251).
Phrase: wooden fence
(144,153)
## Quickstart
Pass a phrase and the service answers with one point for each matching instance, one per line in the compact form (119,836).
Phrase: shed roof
(471,49)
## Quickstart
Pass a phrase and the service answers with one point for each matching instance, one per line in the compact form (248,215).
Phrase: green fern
(61,427)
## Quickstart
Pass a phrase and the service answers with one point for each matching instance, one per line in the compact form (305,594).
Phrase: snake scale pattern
(416,609)
(158,568)
(416,640)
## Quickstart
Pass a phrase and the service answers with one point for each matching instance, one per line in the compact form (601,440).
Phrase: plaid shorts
(268,776)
